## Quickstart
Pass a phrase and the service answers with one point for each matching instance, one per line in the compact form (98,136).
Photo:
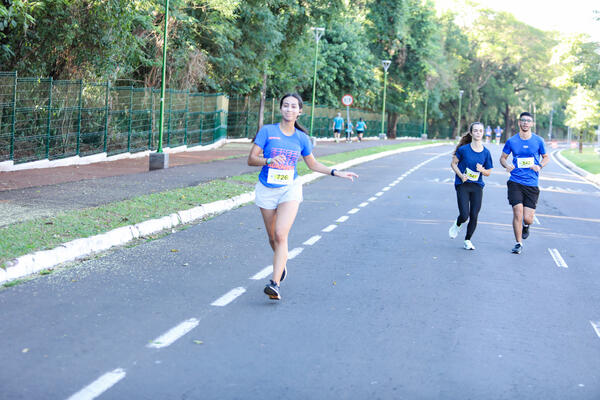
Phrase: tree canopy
(246,47)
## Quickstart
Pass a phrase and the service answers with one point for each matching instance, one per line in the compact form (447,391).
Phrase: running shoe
(283,274)
(453,231)
(525,234)
(517,249)
(272,290)
(469,245)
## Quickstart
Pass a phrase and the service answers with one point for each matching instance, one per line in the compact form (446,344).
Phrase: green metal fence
(45,119)
(242,117)
(242,120)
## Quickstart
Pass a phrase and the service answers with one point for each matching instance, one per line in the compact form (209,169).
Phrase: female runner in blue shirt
(470,162)
(278,191)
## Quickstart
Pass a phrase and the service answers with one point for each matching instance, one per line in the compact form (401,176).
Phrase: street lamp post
(424,136)
(460,93)
(318,32)
(160,160)
(386,65)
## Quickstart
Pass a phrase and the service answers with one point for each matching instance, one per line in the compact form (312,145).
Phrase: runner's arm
(454,166)
(316,166)
(545,160)
(504,162)
(256,159)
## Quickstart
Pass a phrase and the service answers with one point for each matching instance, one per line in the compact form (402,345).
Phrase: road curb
(593,179)
(40,260)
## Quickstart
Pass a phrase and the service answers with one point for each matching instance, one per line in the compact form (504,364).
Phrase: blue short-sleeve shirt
(524,150)
(274,142)
(338,121)
(469,158)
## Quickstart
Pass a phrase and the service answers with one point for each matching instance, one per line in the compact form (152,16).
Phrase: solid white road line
(100,385)
(228,297)
(596,326)
(364,204)
(354,211)
(169,337)
(560,262)
(342,219)
(312,240)
(329,228)
(372,198)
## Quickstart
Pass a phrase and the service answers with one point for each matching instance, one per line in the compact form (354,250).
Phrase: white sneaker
(469,245)
(453,231)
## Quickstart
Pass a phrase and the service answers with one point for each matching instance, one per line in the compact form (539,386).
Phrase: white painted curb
(593,179)
(78,248)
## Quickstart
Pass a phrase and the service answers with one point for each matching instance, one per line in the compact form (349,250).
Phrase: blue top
(338,122)
(525,153)
(360,126)
(469,158)
(349,127)
(488,131)
(274,142)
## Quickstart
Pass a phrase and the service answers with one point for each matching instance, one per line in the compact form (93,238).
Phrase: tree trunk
(392,122)
(507,125)
(261,107)
(580,141)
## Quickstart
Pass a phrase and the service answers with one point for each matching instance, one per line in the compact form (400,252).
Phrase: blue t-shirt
(349,127)
(274,142)
(525,152)
(360,126)
(338,122)
(469,158)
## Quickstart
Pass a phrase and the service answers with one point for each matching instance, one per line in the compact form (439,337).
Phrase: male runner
(498,132)
(338,125)
(488,134)
(523,191)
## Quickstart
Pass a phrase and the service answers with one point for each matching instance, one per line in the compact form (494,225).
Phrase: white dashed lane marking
(385,189)
(596,326)
(312,240)
(100,385)
(169,337)
(560,262)
(536,220)
(372,198)
(329,228)
(379,194)
(266,271)
(354,211)
(342,219)
(364,204)
(228,297)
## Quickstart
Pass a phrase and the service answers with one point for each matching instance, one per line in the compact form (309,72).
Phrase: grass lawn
(48,232)
(588,160)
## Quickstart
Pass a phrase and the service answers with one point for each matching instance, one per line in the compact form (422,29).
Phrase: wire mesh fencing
(41,118)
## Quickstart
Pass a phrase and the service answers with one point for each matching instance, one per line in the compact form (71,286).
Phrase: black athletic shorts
(335,130)
(521,194)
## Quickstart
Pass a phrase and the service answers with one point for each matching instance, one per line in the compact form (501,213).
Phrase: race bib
(472,175)
(525,162)
(280,176)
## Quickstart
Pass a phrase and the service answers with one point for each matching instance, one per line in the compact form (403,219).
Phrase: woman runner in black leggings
(471,160)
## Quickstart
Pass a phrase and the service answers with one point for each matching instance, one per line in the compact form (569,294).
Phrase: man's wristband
(268,161)
(333,171)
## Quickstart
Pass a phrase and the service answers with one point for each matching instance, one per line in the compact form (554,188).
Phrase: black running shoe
(283,274)
(272,290)
(517,249)
(525,234)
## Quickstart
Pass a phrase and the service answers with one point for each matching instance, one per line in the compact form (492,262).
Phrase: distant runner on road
(498,131)
(338,125)
(360,129)
(523,192)
(278,191)
(349,131)
(470,162)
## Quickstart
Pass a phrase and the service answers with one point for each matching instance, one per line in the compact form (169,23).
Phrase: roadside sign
(347,100)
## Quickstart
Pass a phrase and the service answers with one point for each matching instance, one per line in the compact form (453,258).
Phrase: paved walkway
(40,192)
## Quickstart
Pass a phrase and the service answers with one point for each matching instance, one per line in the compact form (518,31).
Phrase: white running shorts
(269,198)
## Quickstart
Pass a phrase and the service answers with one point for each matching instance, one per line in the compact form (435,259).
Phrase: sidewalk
(33,193)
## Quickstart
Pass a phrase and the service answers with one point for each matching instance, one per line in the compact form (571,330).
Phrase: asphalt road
(382,306)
